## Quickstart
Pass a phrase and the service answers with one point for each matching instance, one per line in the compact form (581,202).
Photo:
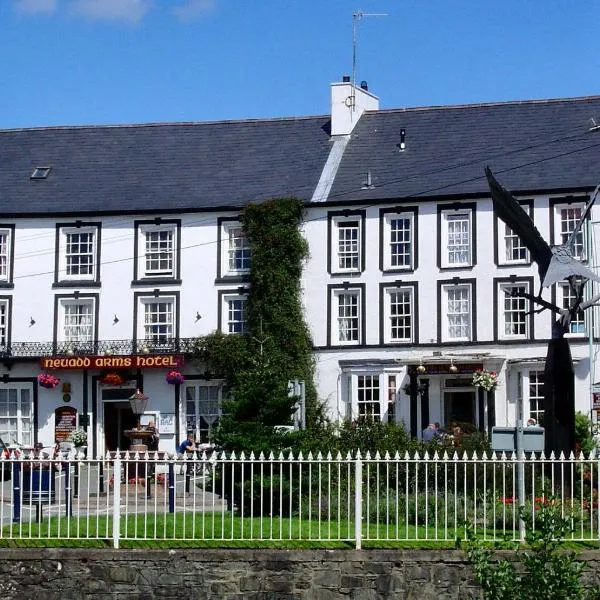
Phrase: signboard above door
(135,361)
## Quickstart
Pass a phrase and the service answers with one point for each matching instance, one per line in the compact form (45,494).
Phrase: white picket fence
(224,498)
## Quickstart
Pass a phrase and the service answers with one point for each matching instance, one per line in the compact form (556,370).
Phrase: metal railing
(223,498)
(112,347)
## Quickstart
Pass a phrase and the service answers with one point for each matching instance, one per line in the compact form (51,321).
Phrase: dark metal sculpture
(555,263)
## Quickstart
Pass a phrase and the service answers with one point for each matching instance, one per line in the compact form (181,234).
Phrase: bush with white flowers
(78,437)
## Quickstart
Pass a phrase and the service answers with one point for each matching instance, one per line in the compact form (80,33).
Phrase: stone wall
(53,574)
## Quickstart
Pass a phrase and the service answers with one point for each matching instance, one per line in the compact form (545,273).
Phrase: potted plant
(175,377)
(48,380)
(112,379)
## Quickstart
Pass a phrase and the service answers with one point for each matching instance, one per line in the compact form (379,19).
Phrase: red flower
(174,377)
(47,380)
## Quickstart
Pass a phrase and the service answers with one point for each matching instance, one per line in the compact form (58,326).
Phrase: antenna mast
(356,17)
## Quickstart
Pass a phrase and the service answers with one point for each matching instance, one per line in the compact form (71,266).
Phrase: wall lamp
(115,320)
(31,321)
(421,368)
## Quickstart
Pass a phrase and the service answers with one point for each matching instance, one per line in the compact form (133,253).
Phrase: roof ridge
(162,124)
(486,104)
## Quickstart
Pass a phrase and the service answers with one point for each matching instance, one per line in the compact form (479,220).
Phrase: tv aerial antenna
(357,16)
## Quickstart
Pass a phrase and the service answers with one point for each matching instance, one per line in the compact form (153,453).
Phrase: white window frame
(513,305)
(23,432)
(337,318)
(389,242)
(389,316)
(509,242)
(447,315)
(63,305)
(579,324)
(4,322)
(65,232)
(144,231)
(528,382)
(5,254)
(229,248)
(386,390)
(449,216)
(193,422)
(562,228)
(228,325)
(346,248)
(142,326)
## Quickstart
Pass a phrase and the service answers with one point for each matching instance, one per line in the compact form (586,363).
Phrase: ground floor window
(533,395)
(203,408)
(373,396)
(16,414)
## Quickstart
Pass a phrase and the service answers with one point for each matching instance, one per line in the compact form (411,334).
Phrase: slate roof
(163,167)
(531,146)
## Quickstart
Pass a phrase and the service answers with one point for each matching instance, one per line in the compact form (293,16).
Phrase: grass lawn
(222,530)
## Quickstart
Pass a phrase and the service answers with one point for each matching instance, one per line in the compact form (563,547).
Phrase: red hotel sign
(143,361)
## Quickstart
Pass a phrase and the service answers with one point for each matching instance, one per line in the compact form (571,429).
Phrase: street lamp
(138,435)
(138,402)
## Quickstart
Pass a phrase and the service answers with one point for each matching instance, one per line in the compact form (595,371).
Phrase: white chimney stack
(348,103)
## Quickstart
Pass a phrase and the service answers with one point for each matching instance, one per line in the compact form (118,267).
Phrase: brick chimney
(348,103)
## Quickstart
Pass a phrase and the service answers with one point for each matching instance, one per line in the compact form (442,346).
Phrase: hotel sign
(138,361)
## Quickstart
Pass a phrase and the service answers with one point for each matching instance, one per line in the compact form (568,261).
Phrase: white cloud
(35,6)
(192,9)
(112,10)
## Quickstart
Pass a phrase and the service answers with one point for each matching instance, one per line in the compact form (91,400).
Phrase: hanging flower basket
(175,377)
(485,379)
(47,380)
(112,379)
(78,438)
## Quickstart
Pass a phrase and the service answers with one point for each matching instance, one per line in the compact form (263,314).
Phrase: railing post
(117,501)
(358,500)
(68,501)
(171,486)
(17,496)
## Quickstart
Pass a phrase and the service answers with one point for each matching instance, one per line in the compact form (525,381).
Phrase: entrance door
(118,417)
(459,407)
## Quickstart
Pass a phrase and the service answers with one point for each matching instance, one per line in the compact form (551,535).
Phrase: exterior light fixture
(421,368)
(138,403)
(453,368)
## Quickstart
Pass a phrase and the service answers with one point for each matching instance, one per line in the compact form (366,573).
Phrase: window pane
(514,248)
(158,321)
(237,315)
(569,297)
(536,396)
(400,310)
(515,310)
(569,217)
(348,245)
(239,250)
(459,238)
(459,312)
(368,397)
(79,252)
(4,246)
(348,318)
(401,241)
(3,322)
(160,250)
(78,321)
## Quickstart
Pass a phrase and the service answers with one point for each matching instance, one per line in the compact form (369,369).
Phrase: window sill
(150,281)
(6,285)
(457,268)
(82,283)
(346,273)
(242,278)
(392,270)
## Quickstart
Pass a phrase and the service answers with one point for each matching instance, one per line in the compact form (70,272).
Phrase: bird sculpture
(555,263)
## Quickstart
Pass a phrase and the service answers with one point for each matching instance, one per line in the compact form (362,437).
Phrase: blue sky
(132,61)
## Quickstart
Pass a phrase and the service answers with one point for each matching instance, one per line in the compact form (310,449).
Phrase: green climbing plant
(277,347)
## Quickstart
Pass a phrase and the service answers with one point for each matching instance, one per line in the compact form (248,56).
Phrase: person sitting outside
(186,450)
(429,433)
